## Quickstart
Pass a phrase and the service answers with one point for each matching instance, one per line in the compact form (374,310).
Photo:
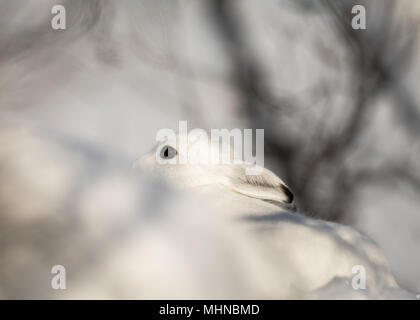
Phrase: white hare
(196,168)
(320,251)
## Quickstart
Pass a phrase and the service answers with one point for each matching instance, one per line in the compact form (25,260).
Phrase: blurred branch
(377,60)
(248,78)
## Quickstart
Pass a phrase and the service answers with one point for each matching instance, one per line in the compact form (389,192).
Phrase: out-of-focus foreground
(339,107)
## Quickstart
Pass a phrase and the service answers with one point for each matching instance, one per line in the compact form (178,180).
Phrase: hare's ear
(265,185)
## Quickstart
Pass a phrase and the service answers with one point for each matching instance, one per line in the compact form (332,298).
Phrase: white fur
(319,251)
(196,167)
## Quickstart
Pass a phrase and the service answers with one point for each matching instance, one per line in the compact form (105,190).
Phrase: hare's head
(190,161)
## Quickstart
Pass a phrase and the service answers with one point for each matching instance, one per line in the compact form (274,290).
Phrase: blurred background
(340,108)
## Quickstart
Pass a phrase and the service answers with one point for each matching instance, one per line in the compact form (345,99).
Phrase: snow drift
(124,234)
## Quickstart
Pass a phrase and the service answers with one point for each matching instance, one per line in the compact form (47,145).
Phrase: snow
(71,125)
(126,234)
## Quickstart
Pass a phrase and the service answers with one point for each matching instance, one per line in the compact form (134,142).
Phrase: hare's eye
(168,152)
